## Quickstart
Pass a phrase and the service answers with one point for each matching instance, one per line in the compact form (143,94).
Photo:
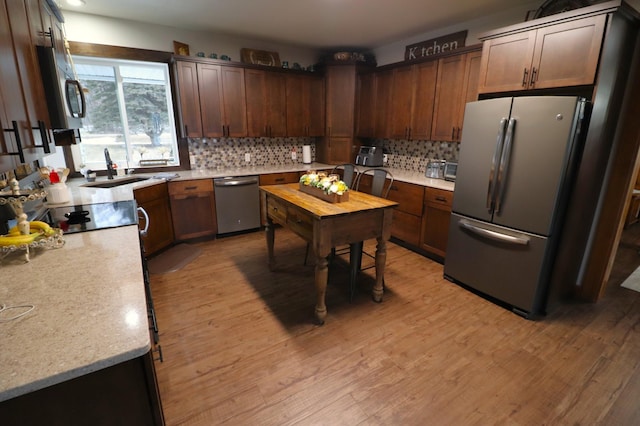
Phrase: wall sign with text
(443,44)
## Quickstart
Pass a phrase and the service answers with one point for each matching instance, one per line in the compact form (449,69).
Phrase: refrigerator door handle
(504,163)
(493,235)
(491,189)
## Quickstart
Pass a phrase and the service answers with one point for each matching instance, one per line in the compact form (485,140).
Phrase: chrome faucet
(107,158)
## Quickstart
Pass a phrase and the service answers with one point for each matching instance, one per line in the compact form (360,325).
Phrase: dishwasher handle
(235,181)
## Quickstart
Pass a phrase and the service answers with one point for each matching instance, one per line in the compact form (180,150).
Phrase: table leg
(355,264)
(381,258)
(270,235)
(321,276)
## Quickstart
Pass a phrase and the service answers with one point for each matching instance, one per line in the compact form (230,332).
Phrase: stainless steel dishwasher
(237,203)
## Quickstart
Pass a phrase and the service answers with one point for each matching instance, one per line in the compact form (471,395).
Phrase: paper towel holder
(306,154)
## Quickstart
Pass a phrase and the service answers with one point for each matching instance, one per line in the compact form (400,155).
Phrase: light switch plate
(247,157)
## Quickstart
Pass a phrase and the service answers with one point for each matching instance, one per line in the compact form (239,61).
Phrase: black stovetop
(91,217)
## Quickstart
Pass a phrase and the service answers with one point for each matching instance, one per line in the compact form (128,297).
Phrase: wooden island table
(326,225)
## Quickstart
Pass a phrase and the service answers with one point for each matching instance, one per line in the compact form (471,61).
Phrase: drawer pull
(281,179)
(190,187)
(444,200)
(158,350)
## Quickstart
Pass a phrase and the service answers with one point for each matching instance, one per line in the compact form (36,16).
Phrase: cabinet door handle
(453,133)
(158,350)
(186,131)
(16,131)
(524,77)
(409,133)
(44,137)
(534,73)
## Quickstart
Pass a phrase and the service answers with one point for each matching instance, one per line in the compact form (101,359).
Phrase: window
(129,112)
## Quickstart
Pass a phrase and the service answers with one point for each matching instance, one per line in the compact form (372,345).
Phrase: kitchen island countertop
(90,310)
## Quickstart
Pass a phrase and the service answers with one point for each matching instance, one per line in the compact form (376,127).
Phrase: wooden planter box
(319,193)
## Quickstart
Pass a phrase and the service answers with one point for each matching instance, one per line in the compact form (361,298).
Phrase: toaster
(370,156)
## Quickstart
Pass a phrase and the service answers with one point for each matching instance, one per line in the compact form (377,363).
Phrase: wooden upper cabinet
(412,101)
(383,87)
(366,105)
(212,100)
(449,103)
(189,95)
(305,105)
(234,102)
(266,103)
(559,55)
(340,98)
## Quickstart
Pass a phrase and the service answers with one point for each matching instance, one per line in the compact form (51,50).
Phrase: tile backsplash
(221,153)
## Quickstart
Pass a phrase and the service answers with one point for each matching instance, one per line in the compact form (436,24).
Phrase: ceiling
(321,24)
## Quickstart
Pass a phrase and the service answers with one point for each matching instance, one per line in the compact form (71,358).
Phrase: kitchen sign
(447,43)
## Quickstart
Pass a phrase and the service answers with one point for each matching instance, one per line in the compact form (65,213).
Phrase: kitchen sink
(115,182)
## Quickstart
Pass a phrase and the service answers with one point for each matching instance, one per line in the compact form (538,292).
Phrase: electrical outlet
(294,155)
(385,158)
(247,157)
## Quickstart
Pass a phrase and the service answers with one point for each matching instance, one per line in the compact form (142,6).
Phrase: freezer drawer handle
(491,190)
(493,235)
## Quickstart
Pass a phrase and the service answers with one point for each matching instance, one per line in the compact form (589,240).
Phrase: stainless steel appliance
(65,98)
(518,158)
(450,171)
(435,169)
(237,203)
(370,156)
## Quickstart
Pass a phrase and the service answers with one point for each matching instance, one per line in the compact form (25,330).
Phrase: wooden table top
(358,201)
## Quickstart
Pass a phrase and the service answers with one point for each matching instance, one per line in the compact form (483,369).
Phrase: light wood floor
(240,347)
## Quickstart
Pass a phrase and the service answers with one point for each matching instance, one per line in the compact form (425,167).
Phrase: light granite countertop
(83,193)
(90,310)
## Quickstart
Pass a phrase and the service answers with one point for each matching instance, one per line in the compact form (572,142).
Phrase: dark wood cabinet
(266,103)
(366,105)
(193,209)
(435,221)
(338,145)
(305,105)
(124,394)
(212,100)
(40,141)
(412,102)
(457,85)
(407,217)
(24,119)
(560,55)
(155,201)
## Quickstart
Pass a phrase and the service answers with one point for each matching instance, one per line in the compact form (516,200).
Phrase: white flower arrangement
(330,184)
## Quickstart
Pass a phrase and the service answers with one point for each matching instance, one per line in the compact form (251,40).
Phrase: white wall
(101,30)
(394,52)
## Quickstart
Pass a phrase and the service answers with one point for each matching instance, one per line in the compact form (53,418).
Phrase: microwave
(64,95)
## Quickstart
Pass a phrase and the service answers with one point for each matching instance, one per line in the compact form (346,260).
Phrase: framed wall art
(260,57)
(180,48)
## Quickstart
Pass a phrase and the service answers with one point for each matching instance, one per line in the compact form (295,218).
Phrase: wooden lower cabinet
(407,217)
(123,394)
(193,209)
(435,221)
(155,201)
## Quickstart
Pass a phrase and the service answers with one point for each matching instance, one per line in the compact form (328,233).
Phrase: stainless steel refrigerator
(517,163)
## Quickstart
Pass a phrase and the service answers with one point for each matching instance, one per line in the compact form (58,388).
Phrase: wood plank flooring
(240,346)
